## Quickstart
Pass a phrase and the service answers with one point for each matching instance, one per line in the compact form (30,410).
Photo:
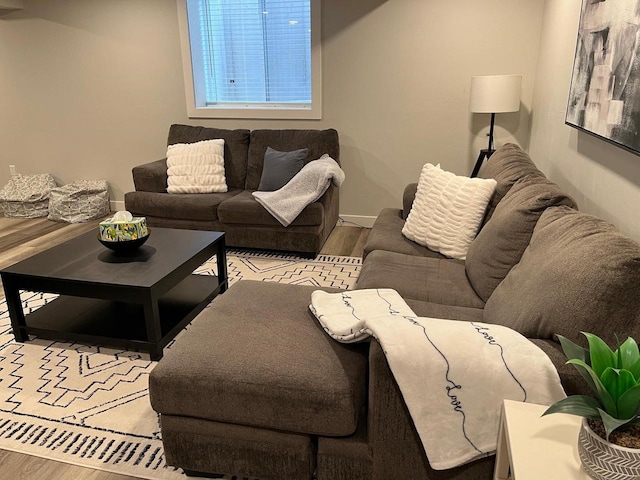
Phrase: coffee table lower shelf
(120,324)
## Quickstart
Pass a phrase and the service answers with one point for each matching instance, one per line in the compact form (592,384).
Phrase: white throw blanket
(307,186)
(453,375)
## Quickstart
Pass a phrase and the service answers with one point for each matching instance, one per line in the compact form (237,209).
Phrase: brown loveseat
(258,389)
(236,212)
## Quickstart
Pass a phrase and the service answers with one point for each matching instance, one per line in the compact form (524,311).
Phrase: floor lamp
(493,94)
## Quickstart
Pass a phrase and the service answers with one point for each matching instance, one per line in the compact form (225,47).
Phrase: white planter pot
(602,460)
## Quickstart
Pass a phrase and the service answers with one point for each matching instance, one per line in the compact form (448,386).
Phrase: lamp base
(485,153)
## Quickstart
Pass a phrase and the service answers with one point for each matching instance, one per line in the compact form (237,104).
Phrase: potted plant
(609,440)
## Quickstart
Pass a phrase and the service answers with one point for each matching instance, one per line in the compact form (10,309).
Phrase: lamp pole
(493,118)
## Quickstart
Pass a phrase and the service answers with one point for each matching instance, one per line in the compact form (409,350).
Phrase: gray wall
(89,88)
(603,179)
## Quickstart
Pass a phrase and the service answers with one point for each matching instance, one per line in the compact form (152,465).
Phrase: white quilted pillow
(196,167)
(447,211)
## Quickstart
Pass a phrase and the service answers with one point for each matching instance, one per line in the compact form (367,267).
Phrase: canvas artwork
(604,98)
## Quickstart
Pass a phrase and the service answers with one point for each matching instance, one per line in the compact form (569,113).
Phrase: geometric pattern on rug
(88,405)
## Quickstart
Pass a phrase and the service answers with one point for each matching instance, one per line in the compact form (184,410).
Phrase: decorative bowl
(125,246)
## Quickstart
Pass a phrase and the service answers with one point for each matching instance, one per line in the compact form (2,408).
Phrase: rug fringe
(241,252)
(74,445)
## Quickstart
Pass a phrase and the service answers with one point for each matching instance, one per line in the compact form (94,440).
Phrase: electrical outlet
(12,169)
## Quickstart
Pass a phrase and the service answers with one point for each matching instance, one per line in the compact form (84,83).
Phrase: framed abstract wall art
(604,98)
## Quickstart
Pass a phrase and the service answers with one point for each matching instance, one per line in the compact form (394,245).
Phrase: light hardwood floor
(21,238)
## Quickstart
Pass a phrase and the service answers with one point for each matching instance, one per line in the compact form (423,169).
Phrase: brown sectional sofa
(258,389)
(236,212)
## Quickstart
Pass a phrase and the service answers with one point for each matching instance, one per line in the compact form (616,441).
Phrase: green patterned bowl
(126,246)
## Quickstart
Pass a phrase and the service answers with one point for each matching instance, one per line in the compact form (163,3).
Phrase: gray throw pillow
(501,242)
(280,167)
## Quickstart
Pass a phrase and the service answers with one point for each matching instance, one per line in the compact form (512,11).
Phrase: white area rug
(88,405)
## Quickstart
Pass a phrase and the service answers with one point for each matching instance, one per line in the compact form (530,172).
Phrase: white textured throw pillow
(196,167)
(447,211)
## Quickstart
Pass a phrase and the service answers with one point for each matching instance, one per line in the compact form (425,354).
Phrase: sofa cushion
(244,209)
(507,165)
(427,279)
(447,211)
(318,142)
(247,360)
(187,206)
(579,273)
(196,167)
(236,148)
(503,239)
(386,234)
(280,167)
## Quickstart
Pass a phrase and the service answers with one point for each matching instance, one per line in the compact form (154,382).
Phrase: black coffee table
(137,301)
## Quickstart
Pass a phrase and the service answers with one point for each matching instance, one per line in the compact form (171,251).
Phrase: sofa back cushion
(579,273)
(507,165)
(318,142)
(236,148)
(503,239)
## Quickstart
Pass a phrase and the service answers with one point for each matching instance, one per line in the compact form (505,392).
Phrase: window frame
(277,111)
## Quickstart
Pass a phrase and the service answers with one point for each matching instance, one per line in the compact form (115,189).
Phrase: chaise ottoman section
(257,360)
(202,446)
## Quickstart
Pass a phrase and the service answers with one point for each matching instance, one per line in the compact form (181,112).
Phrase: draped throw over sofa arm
(236,212)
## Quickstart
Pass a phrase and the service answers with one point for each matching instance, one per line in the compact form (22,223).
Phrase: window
(251,58)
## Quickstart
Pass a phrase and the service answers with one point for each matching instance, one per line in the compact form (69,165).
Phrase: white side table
(535,447)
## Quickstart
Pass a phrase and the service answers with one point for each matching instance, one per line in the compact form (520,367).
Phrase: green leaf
(581,405)
(603,395)
(572,350)
(629,402)
(611,423)
(617,382)
(585,374)
(601,355)
(635,370)
(628,354)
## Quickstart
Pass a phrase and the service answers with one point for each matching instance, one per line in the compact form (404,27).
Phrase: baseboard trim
(116,205)
(357,220)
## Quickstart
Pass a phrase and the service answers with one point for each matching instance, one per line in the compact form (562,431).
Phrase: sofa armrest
(330,200)
(151,177)
(407,198)
(393,438)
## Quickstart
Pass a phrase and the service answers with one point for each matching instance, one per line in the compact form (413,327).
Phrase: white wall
(89,88)
(603,179)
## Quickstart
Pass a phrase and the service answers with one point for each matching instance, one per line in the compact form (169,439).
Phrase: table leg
(501,470)
(154,330)
(221,258)
(14,304)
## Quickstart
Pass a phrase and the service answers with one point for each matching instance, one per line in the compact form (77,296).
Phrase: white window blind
(251,52)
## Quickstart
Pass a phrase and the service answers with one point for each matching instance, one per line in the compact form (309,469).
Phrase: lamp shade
(495,93)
